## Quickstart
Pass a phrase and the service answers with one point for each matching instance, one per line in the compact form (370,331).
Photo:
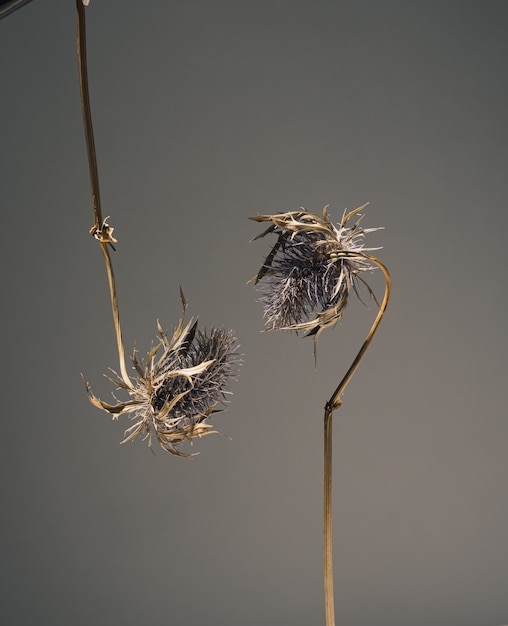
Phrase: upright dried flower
(311,269)
(172,396)
(307,279)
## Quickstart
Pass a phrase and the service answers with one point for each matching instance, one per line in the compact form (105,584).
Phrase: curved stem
(116,314)
(333,404)
(101,231)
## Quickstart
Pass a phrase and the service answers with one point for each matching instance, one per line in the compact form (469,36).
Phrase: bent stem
(100,230)
(334,403)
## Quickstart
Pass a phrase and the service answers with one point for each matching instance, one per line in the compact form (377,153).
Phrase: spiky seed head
(306,280)
(182,382)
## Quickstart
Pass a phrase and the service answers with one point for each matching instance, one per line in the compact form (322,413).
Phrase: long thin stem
(87,113)
(100,230)
(327,520)
(334,403)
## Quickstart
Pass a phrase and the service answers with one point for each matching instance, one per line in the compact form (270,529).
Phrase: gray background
(206,113)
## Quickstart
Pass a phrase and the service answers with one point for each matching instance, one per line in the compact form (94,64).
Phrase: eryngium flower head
(308,276)
(173,394)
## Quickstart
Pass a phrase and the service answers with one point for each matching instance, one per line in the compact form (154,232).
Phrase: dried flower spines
(172,396)
(306,279)
(206,388)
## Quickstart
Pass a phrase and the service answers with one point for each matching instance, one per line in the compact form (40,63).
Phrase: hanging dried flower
(311,269)
(172,396)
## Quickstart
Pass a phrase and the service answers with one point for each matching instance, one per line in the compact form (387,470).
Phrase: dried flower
(311,269)
(172,396)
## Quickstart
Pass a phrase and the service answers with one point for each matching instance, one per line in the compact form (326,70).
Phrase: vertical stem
(100,230)
(334,403)
(87,113)
(328,529)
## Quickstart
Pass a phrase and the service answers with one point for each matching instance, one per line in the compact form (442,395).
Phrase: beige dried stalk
(100,229)
(334,403)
